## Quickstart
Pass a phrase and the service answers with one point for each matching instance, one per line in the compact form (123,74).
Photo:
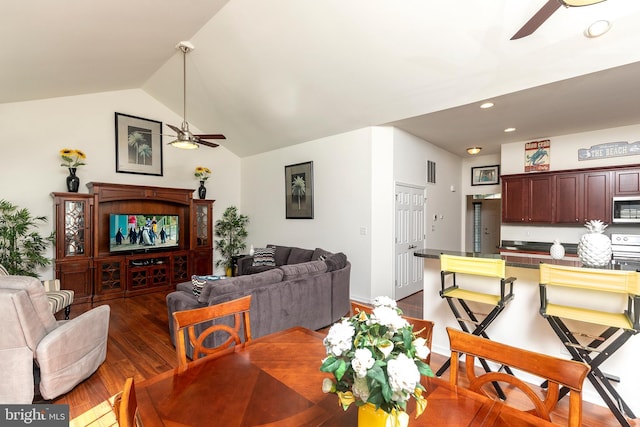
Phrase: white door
(409,236)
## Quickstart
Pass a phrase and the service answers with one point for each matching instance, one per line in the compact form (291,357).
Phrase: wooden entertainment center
(85,263)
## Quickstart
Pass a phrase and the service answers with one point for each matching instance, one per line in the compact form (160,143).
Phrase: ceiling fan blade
(210,136)
(175,129)
(207,143)
(538,19)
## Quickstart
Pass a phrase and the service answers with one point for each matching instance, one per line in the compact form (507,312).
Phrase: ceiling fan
(545,12)
(184,138)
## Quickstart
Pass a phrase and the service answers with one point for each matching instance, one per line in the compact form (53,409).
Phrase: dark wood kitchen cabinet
(627,182)
(527,199)
(580,197)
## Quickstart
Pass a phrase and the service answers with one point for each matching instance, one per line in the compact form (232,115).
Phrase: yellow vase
(369,416)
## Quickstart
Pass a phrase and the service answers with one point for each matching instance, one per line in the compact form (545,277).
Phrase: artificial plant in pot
(231,229)
(21,246)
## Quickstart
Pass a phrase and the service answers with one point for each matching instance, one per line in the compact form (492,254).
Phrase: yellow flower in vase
(202,173)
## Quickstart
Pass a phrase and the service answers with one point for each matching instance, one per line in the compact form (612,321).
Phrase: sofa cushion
(264,256)
(294,271)
(242,285)
(282,254)
(299,255)
(336,261)
(320,254)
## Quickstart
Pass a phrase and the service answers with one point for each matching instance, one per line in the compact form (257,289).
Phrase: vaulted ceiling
(272,73)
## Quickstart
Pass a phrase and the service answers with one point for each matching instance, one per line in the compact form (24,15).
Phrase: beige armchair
(66,352)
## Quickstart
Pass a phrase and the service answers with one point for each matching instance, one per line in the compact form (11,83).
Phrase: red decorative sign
(536,156)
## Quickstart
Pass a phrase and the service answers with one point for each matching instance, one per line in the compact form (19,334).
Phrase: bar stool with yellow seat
(565,285)
(454,270)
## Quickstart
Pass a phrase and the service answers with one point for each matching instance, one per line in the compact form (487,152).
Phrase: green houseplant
(231,229)
(22,247)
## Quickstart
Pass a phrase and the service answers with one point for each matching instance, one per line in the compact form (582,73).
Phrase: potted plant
(232,232)
(22,247)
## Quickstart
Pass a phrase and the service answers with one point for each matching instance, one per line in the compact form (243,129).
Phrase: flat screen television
(142,232)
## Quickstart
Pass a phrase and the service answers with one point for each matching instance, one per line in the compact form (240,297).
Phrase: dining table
(275,380)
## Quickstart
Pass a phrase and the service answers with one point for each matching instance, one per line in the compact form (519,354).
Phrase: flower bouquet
(202,173)
(72,158)
(377,359)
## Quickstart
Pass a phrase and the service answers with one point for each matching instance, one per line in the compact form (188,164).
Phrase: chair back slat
(626,282)
(558,372)
(189,319)
(477,266)
(126,405)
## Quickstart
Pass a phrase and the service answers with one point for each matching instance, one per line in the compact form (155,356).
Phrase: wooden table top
(276,381)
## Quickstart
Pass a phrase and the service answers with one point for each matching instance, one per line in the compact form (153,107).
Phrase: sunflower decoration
(72,158)
(202,173)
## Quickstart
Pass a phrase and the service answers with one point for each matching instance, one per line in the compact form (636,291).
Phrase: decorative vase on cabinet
(557,250)
(73,182)
(202,191)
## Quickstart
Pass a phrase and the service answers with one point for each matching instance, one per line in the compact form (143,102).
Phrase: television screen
(140,232)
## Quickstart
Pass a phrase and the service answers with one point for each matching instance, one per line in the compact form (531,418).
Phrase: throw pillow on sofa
(264,257)
(299,255)
(198,282)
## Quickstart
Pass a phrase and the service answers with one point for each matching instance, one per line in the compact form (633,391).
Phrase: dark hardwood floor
(139,347)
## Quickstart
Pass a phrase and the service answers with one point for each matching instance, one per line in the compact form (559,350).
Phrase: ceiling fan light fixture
(598,28)
(579,3)
(473,150)
(185,145)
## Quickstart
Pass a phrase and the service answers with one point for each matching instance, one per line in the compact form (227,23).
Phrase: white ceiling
(272,73)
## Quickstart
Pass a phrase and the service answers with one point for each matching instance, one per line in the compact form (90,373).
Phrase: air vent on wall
(431,172)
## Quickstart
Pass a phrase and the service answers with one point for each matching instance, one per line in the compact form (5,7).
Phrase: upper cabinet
(627,182)
(570,197)
(527,198)
(580,197)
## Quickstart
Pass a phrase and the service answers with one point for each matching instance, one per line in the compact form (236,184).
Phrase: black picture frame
(485,175)
(144,154)
(298,186)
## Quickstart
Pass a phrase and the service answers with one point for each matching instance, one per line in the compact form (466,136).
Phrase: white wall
(34,132)
(563,156)
(444,198)
(342,204)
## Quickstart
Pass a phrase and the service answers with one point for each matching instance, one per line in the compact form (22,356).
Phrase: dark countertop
(521,260)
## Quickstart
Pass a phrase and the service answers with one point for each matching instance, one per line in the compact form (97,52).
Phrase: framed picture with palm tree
(298,189)
(138,145)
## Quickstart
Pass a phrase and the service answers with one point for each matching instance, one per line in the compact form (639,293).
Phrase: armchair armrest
(73,351)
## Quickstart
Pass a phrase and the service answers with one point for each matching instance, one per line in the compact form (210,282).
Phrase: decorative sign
(609,149)
(536,156)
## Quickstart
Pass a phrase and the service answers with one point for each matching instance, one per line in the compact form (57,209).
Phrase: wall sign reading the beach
(536,155)
(609,149)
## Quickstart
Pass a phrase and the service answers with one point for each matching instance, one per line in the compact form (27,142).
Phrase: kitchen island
(521,325)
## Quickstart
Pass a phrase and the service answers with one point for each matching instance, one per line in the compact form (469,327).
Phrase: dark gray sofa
(312,294)
(284,255)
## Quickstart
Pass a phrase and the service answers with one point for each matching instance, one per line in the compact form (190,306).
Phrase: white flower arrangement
(376,359)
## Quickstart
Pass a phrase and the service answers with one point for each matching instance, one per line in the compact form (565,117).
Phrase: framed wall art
(138,145)
(298,189)
(485,175)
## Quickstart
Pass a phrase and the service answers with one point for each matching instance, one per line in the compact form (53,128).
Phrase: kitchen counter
(521,259)
(521,324)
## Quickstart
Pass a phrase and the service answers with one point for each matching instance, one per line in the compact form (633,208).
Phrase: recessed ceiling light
(474,150)
(598,28)
(487,105)
(510,130)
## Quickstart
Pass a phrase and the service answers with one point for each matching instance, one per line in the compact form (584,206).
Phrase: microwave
(626,209)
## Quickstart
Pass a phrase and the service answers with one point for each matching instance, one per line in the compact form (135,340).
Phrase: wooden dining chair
(126,406)
(187,320)
(421,327)
(557,372)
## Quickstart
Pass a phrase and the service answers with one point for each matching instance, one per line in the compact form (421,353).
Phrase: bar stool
(565,284)
(453,270)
